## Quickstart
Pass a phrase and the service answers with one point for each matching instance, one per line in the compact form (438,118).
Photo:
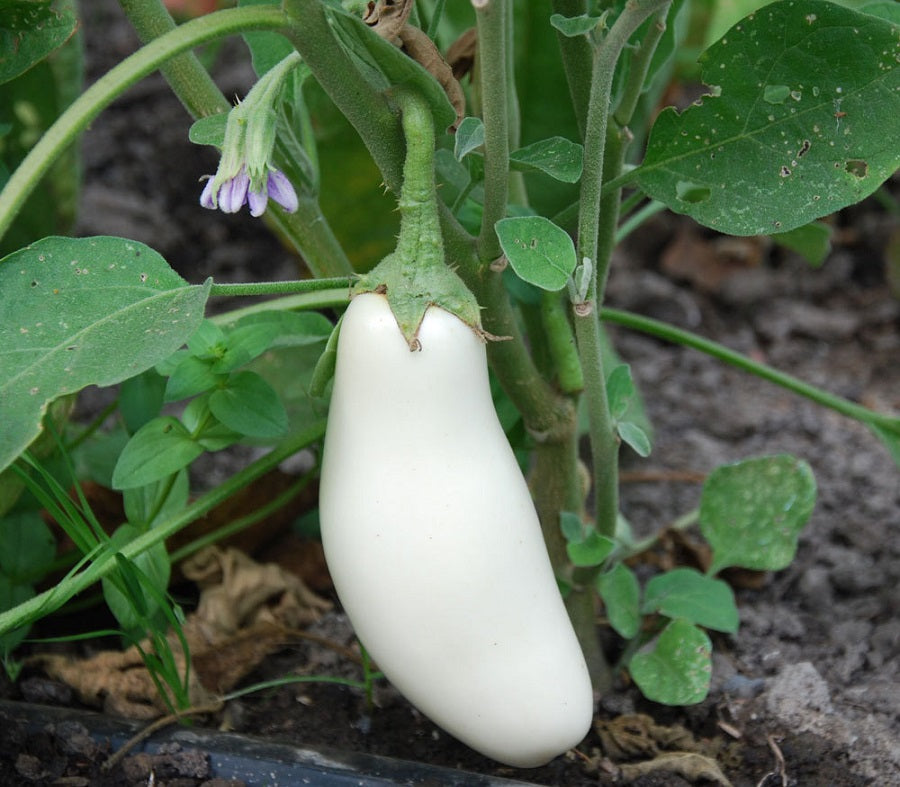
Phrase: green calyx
(415,276)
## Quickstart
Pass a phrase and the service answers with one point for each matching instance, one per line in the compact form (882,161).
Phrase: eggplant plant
(521,143)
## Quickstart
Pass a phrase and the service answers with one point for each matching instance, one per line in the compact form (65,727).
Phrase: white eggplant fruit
(434,544)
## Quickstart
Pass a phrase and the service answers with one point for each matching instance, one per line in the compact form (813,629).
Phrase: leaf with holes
(804,120)
(538,251)
(83,311)
(752,512)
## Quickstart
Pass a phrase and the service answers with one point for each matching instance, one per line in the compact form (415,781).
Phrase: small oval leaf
(539,252)
(676,667)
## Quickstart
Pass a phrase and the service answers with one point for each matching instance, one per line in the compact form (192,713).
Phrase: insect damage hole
(857,167)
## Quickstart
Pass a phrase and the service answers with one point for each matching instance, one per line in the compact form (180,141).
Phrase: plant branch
(185,74)
(490,18)
(596,234)
(365,108)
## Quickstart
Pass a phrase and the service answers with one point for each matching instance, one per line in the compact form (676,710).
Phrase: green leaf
(557,157)
(634,436)
(538,251)
(676,667)
(811,241)
(141,398)
(192,376)
(572,527)
(256,333)
(752,512)
(159,448)
(27,546)
(591,551)
(574,26)
(688,594)
(249,405)
(619,390)
(79,312)
(209,130)
(469,136)
(30,30)
(211,434)
(794,132)
(129,592)
(152,503)
(621,595)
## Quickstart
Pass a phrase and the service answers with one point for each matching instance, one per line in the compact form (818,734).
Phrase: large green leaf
(30,30)
(79,312)
(804,121)
(752,512)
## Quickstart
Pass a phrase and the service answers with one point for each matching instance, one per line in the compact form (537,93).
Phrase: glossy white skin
(434,545)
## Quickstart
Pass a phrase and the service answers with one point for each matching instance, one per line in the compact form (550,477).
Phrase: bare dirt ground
(808,692)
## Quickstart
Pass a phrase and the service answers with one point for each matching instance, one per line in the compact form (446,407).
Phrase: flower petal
(281,190)
(208,197)
(233,194)
(258,201)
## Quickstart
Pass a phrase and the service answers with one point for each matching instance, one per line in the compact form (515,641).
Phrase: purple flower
(230,194)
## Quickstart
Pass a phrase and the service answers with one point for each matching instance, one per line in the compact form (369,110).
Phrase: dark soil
(808,692)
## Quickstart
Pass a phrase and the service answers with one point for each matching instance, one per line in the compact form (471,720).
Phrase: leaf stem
(685,338)
(278,287)
(131,70)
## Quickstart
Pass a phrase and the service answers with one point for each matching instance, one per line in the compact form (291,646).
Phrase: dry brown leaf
(246,611)
(708,263)
(461,53)
(389,18)
(689,765)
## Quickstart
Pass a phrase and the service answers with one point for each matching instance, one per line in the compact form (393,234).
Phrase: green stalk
(640,66)
(131,70)
(51,600)
(670,333)
(490,19)
(242,523)
(185,74)
(278,287)
(326,299)
(604,441)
